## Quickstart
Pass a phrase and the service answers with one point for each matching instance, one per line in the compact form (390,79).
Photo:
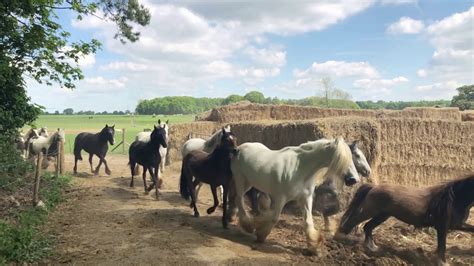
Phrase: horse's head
(229,141)
(164,125)
(108,134)
(359,160)
(43,132)
(158,136)
(352,176)
(61,136)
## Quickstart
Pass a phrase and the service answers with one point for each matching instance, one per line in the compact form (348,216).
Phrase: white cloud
(101,81)
(270,56)
(406,25)
(398,2)
(118,65)
(453,41)
(335,69)
(421,73)
(379,84)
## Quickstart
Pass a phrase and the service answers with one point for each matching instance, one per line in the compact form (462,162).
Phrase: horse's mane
(213,140)
(441,204)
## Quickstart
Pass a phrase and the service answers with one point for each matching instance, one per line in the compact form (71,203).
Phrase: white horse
(145,137)
(288,174)
(208,146)
(42,144)
(33,133)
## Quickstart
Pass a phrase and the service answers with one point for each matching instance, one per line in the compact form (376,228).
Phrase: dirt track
(104,221)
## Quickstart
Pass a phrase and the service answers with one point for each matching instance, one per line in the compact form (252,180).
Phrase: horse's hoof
(196,214)
(147,192)
(131,185)
(191,205)
(370,245)
(108,172)
(211,210)
(160,183)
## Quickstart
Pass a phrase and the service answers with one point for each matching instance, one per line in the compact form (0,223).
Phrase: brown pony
(444,207)
(211,168)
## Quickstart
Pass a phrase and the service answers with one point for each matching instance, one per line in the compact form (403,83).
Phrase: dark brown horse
(444,207)
(210,168)
(94,144)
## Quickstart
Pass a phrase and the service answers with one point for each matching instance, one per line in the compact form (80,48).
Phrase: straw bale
(467,115)
(247,111)
(178,135)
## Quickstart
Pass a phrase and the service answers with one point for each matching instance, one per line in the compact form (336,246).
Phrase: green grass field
(74,124)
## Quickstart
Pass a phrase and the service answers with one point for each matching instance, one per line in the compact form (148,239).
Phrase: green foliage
(255,97)
(233,98)
(68,111)
(400,105)
(322,102)
(21,238)
(465,98)
(177,105)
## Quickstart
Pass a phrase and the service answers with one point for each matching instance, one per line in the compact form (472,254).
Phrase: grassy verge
(21,239)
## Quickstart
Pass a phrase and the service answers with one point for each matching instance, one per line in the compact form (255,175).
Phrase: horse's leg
(158,181)
(232,208)
(253,195)
(132,170)
(96,172)
(216,200)
(90,162)
(144,180)
(224,205)
(75,164)
(369,227)
(107,170)
(199,185)
(244,219)
(327,223)
(313,237)
(266,220)
(193,195)
(221,193)
(441,232)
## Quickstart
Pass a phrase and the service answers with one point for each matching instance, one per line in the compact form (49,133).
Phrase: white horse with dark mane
(289,174)
(42,144)
(145,137)
(208,146)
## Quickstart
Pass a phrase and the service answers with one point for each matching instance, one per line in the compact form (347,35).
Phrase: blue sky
(375,50)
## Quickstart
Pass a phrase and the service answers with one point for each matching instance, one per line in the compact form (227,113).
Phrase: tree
(465,98)
(327,87)
(33,44)
(68,111)
(255,97)
(233,98)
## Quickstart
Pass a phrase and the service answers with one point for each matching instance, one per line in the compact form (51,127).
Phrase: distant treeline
(191,105)
(400,105)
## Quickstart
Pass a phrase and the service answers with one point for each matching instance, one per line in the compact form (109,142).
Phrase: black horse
(147,154)
(94,144)
(211,168)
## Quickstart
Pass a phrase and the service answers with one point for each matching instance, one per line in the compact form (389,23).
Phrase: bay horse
(288,174)
(147,154)
(210,168)
(144,136)
(198,144)
(94,144)
(445,207)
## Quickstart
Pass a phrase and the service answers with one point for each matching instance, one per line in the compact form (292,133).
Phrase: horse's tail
(184,188)
(340,162)
(359,197)
(77,148)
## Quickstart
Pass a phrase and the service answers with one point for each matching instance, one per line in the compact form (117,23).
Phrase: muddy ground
(104,221)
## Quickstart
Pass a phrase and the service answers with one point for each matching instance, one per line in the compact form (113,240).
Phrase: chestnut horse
(444,207)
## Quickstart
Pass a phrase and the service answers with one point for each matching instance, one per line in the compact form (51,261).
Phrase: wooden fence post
(61,157)
(123,140)
(37,179)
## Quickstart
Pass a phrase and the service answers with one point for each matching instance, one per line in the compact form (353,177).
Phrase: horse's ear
(353,145)
(113,126)
(106,126)
(167,121)
(154,127)
(227,128)
(159,121)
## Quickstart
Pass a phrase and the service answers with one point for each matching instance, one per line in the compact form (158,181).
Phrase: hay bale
(431,113)
(467,115)
(179,135)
